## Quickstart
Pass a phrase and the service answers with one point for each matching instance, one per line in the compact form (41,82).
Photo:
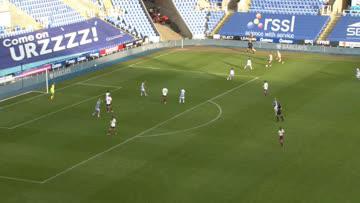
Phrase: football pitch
(220,146)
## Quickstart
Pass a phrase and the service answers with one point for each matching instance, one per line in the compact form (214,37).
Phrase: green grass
(221,146)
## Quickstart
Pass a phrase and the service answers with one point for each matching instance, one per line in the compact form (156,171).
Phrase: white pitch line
(20,179)
(144,132)
(25,93)
(86,80)
(220,112)
(57,111)
(98,85)
(188,71)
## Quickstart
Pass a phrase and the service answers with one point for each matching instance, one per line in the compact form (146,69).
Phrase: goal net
(33,81)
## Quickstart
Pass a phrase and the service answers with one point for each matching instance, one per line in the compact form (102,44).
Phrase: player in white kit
(266,88)
(358,73)
(281,133)
(164,95)
(279,57)
(182,96)
(270,60)
(112,128)
(231,74)
(275,105)
(143,89)
(108,101)
(248,64)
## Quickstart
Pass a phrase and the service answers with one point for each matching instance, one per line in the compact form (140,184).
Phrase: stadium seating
(50,13)
(8,32)
(300,7)
(133,18)
(200,21)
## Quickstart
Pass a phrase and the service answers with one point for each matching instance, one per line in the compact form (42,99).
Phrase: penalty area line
(21,179)
(189,71)
(139,135)
(83,81)
(98,85)
(22,94)
(57,111)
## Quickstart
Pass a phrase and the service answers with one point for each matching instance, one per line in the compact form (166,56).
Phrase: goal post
(26,82)
(47,80)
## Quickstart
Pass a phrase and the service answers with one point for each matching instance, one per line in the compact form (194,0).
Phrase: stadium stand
(300,7)
(14,21)
(353,11)
(201,19)
(133,18)
(50,13)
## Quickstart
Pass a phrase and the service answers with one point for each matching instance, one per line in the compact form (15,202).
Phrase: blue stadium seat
(50,13)
(200,22)
(298,7)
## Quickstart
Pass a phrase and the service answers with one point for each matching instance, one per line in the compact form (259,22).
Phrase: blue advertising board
(274,27)
(347,29)
(93,34)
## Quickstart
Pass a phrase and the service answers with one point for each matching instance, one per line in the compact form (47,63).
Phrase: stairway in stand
(167,33)
(334,18)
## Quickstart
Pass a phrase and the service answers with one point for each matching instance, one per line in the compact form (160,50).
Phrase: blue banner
(347,29)
(93,34)
(279,27)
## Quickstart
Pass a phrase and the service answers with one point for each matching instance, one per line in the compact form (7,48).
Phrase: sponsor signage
(86,36)
(349,44)
(346,30)
(355,3)
(279,27)
(323,42)
(7,79)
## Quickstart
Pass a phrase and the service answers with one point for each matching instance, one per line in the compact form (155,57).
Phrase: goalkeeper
(52,91)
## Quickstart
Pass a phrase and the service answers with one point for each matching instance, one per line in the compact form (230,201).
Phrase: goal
(35,81)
